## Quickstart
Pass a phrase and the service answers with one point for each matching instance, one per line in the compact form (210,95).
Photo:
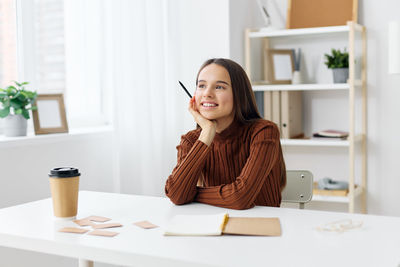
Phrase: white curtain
(148,115)
(135,49)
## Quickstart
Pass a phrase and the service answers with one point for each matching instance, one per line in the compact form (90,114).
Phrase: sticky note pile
(96,222)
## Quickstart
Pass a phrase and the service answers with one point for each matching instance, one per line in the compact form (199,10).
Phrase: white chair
(299,187)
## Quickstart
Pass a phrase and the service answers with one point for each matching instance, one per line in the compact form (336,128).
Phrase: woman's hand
(208,127)
(200,119)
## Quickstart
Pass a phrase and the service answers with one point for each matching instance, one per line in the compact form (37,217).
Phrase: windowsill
(32,139)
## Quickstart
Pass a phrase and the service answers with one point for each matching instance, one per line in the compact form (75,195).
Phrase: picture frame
(280,65)
(50,116)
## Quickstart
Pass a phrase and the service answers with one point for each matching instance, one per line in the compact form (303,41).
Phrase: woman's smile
(209,105)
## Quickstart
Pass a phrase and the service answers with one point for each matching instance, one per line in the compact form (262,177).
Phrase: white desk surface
(31,227)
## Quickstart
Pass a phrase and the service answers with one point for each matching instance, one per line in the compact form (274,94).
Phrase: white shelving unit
(354,84)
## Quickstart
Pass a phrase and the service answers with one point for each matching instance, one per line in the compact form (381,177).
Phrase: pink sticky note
(84,222)
(145,224)
(106,225)
(97,218)
(73,230)
(103,233)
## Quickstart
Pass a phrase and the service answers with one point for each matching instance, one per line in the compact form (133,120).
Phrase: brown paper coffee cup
(64,185)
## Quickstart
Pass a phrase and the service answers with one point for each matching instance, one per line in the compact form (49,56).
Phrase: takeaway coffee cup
(64,185)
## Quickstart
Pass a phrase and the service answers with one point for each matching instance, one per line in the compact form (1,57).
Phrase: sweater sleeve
(241,194)
(181,184)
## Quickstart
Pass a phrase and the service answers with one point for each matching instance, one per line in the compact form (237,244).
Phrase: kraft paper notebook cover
(218,224)
(253,226)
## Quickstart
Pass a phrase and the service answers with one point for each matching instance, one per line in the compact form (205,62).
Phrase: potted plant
(339,63)
(15,105)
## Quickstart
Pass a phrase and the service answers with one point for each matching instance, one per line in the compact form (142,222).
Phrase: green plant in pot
(339,63)
(16,102)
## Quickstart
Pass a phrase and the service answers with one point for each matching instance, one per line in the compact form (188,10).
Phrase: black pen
(184,88)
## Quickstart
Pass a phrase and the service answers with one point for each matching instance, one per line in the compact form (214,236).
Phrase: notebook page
(196,224)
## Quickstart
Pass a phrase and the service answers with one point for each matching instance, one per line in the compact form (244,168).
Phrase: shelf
(295,32)
(314,142)
(321,141)
(337,199)
(330,199)
(73,134)
(301,87)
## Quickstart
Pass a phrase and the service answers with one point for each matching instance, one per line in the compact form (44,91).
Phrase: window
(37,36)
(8,42)
(49,45)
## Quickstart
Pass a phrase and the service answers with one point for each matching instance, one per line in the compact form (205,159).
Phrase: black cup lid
(64,172)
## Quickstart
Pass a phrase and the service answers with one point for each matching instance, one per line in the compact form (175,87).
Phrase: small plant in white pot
(15,103)
(339,63)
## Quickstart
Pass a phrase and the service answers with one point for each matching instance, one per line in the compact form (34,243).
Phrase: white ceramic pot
(15,125)
(340,75)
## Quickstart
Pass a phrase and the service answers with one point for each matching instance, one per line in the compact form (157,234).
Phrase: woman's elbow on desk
(178,199)
(234,206)
(242,206)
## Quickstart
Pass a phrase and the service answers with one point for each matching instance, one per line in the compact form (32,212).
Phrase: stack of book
(331,134)
(285,108)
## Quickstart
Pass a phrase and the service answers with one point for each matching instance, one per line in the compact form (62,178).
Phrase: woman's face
(214,97)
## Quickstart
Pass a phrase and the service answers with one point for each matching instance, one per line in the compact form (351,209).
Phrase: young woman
(234,158)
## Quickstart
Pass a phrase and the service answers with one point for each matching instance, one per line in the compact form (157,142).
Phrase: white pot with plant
(15,105)
(339,63)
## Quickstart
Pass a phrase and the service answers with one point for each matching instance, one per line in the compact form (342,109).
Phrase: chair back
(299,187)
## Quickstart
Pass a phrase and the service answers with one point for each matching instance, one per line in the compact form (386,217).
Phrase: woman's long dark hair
(244,101)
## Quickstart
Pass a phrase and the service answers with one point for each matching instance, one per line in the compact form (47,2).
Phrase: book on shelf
(331,134)
(284,108)
(291,114)
(260,101)
(276,109)
(268,105)
(218,224)
(331,192)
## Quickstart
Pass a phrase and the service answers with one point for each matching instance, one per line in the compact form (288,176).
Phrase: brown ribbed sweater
(240,169)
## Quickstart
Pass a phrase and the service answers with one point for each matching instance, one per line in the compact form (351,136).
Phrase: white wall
(203,33)
(383,110)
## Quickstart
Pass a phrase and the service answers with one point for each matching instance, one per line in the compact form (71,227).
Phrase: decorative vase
(340,75)
(15,125)
(296,78)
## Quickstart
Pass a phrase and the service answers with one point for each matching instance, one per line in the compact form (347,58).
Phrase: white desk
(31,227)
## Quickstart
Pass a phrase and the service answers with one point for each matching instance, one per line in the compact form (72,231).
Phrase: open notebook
(218,224)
